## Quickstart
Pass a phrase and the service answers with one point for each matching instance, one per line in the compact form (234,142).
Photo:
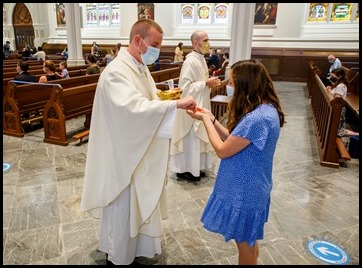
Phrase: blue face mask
(151,54)
(229,90)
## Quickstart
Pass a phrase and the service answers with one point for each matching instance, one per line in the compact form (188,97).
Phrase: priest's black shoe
(188,176)
(202,174)
(136,263)
(107,261)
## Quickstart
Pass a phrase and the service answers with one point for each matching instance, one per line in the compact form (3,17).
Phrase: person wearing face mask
(190,146)
(128,150)
(238,206)
(335,63)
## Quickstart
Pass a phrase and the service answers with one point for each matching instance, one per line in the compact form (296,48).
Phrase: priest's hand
(213,81)
(187,103)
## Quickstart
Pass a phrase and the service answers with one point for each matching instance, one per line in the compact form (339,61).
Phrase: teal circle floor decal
(6,166)
(328,252)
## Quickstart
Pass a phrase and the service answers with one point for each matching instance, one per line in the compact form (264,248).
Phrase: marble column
(74,38)
(241,33)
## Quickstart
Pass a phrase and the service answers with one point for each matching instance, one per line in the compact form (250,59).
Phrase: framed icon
(60,13)
(146,11)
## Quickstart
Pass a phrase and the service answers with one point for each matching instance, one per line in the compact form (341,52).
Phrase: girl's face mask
(229,90)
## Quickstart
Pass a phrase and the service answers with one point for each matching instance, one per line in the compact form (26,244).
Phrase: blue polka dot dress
(238,207)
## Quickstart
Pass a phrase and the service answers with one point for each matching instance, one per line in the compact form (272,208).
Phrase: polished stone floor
(42,188)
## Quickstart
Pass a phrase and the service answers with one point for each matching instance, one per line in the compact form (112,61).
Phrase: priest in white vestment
(128,150)
(190,146)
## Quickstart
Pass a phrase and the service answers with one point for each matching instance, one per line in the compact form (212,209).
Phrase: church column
(241,33)
(74,38)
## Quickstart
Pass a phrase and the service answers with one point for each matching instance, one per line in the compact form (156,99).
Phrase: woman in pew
(93,68)
(49,70)
(339,90)
(225,63)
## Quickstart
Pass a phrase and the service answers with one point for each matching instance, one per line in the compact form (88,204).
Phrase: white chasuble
(193,76)
(125,146)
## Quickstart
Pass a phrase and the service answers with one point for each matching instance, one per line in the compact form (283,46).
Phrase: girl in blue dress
(238,206)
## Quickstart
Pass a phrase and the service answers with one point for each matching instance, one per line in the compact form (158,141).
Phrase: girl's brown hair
(253,86)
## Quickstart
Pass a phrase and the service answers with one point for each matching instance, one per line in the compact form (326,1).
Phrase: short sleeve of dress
(254,128)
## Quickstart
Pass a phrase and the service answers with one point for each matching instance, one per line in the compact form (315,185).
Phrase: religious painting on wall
(60,11)
(265,13)
(146,11)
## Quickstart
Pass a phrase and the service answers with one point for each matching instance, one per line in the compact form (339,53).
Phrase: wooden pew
(313,69)
(219,89)
(352,98)
(30,98)
(164,84)
(40,70)
(219,106)
(31,67)
(326,115)
(14,63)
(219,100)
(164,75)
(73,73)
(65,104)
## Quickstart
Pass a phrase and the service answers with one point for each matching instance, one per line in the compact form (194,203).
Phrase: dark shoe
(202,174)
(188,176)
(136,263)
(107,261)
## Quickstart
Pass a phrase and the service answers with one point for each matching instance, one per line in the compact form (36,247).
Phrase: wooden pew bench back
(166,74)
(64,105)
(326,115)
(32,98)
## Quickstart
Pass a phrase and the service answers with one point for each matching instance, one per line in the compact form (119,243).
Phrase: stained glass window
(103,14)
(333,12)
(318,12)
(188,13)
(357,12)
(341,11)
(221,13)
(204,13)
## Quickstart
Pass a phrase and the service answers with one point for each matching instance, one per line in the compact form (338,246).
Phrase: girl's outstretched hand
(199,112)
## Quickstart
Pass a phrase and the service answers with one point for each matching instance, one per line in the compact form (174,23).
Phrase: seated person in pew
(335,64)
(49,70)
(22,69)
(93,68)
(40,54)
(65,53)
(214,59)
(108,57)
(221,71)
(63,68)
(339,90)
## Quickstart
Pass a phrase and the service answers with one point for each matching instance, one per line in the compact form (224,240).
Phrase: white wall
(290,31)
